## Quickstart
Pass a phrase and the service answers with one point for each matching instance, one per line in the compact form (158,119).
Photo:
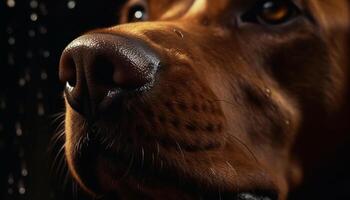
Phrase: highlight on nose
(99,67)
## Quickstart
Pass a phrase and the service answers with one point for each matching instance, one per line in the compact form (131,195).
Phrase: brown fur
(234,108)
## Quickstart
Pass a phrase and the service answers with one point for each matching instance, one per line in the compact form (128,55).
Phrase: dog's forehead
(330,14)
(319,9)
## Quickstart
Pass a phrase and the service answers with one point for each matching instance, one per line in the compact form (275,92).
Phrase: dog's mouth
(148,170)
(111,170)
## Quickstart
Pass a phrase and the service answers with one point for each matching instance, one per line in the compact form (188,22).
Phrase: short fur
(236,107)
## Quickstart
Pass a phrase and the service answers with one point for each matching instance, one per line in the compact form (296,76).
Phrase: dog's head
(208,99)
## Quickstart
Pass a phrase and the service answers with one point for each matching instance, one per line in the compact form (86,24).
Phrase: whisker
(142,156)
(58,155)
(234,171)
(129,167)
(180,150)
(235,137)
(246,147)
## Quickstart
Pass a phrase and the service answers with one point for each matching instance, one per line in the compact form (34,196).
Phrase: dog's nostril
(68,72)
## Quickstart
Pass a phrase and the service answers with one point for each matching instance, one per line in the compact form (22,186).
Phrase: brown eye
(272,12)
(276,12)
(137,13)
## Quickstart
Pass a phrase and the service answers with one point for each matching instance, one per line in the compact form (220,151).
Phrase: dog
(201,99)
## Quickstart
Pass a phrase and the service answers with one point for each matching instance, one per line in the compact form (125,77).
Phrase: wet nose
(98,68)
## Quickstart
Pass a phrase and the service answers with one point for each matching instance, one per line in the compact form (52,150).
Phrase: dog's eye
(137,13)
(272,12)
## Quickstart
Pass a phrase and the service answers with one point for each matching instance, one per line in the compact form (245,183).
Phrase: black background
(33,34)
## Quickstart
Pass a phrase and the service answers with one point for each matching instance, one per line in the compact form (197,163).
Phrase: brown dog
(225,99)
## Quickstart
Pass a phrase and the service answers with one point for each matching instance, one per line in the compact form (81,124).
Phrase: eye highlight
(137,13)
(272,12)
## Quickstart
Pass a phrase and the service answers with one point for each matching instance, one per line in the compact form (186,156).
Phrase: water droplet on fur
(268,92)
(287,122)
(179,33)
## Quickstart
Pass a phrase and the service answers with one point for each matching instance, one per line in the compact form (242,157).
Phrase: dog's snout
(99,67)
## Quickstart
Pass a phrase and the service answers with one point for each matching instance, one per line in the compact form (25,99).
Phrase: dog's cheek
(303,67)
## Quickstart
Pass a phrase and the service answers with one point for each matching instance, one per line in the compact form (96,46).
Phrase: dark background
(33,33)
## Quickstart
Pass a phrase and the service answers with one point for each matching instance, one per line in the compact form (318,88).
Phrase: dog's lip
(254,194)
(120,162)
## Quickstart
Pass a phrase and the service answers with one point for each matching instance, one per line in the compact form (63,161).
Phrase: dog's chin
(107,178)
(125,171)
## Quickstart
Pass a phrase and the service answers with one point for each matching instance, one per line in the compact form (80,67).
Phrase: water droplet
(268,92)
(24,171)
(10,179)
(2,104)
(11,40)
(10,59)
(43,75)
(34,17)
(31,33)
(21,82)
(11,3)
(21,190)
(19,131)
(9,30)
(41,109)
(71,4)
(10,191)
(179,33)
(46,54)
(287,122)
(33,4)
